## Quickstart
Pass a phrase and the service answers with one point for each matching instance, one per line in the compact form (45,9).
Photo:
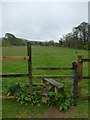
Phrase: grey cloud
(42,21)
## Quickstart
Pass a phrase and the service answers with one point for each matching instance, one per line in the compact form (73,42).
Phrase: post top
(80,55)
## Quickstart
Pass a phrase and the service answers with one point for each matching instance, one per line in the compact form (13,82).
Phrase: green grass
(41,56)
(14,109)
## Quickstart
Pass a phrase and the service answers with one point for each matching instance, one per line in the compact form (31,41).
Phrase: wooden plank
(53,82)
(7,97)
(14,58)
(86,77)
(40,76)
(52,68)
(36,76)
(35,84)
(30,66)
(14,75)
(52,76)
(85,59)
(56,91)
(85,97)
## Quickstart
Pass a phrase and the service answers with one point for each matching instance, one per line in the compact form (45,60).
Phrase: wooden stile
(48,81)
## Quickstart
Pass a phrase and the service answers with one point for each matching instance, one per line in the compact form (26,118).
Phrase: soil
(54,113)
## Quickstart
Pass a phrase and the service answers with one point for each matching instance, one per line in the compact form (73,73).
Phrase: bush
(62,102)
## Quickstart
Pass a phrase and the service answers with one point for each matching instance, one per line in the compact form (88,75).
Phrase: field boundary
(77,68)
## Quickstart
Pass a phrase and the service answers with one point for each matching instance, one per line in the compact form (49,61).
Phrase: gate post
(74,66)
(30,66)
(79,74)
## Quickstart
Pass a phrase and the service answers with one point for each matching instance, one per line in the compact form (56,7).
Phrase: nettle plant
(62,101)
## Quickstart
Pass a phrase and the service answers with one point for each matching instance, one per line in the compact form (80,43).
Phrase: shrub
(62,101)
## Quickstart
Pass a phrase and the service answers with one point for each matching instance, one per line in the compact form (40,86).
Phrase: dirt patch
(54,113)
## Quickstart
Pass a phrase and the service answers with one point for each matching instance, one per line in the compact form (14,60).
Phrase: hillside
(11,40)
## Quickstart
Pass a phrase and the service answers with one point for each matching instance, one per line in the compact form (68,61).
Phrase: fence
(76,67)
(79,76)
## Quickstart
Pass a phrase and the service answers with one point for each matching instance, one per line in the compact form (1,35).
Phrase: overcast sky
(42,21)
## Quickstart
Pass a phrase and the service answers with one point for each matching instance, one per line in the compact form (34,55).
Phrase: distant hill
(11,40)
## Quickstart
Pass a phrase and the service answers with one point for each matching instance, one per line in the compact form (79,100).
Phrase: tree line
(79,38)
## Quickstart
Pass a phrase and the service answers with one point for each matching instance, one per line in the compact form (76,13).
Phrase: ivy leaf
(38,104)
(65,107)
(60,108)
(22,102)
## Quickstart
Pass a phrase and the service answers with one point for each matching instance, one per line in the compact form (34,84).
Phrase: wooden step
(54,83)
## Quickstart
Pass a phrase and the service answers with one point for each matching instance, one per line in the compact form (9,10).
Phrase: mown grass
(14,109)
(41,56)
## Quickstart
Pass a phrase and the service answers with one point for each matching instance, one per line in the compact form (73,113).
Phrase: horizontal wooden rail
(52,76)
(14,58)
(7,97)
(40,76)
(86,60)
(36,76)
(14,75)
(52,68)
(86,77)
(36,84)
(85,97)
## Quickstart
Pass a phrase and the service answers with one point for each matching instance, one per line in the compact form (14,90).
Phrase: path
(54,113)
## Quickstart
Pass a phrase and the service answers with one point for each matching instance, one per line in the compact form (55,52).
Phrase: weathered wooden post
(30,66)
(74,66)
(79,74)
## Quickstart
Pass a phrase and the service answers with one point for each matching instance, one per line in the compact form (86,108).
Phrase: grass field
(41,56)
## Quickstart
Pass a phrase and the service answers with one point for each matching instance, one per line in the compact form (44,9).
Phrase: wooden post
(30,66)
(79,74)
(74,66)
(56,91)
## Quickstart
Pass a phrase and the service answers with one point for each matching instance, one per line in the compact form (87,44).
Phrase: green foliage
(14,88)
(25,98)
(78,38)
(61,102)
(87,45)
(22,95)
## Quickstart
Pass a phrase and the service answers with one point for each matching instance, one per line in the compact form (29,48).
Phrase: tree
(82,31)
(60,41)
(79,37)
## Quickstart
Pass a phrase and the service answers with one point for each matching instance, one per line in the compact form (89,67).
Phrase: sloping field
(41,56)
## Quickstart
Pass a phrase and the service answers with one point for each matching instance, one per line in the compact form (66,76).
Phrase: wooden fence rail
(52,68)
(85,60)
(40,76)
(14,58)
